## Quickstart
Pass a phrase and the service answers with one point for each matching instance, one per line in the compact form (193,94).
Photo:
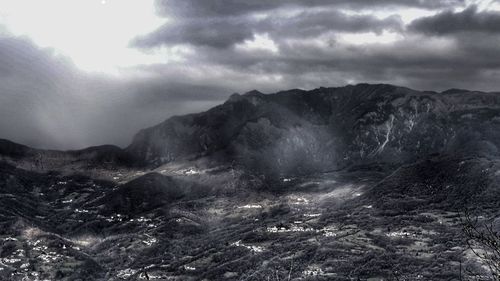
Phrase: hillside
(364,182)
(300,131)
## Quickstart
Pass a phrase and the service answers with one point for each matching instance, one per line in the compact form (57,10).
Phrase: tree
(484,241)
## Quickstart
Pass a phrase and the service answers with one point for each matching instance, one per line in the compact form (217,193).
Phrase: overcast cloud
(209,49)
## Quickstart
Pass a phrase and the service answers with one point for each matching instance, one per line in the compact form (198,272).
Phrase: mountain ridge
(329,128)
(364,122)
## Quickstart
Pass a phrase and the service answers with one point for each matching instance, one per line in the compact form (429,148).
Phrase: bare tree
(484,242)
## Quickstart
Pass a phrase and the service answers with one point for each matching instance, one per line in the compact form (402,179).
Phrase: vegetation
(483,239)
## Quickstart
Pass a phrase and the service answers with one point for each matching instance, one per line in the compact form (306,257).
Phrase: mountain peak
(253,93)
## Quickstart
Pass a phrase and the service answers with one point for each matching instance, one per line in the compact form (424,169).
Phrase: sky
(77,73)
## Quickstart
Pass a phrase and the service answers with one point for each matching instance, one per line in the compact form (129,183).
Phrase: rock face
(300,131)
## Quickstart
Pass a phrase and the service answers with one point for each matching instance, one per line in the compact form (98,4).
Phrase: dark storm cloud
(310,49)
(217,33)
(469,20)
(31,82)
(225,32)
(20,57)
(218,8)
(221,24)
(314,23)
(430,66)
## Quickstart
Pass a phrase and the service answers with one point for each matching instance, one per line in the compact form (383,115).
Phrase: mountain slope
(300,131)
(240,192)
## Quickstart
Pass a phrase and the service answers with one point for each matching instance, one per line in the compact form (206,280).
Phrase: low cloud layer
(217,8)
(215,48)
(468,20)
(223,33)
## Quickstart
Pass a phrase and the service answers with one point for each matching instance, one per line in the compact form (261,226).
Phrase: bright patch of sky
(95,34)
(369,38)
(260,42)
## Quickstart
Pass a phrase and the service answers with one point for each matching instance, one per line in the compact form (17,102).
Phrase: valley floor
(333,226)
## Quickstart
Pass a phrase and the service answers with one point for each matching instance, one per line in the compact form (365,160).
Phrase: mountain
(363,182)
(299,131)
